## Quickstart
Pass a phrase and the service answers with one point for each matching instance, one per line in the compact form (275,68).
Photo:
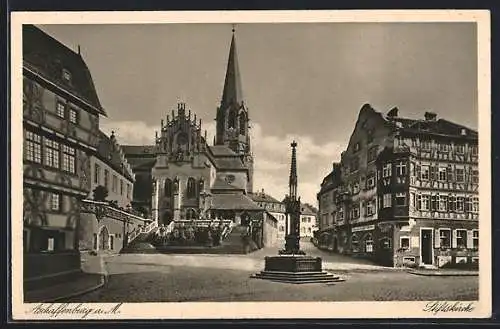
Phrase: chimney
(430,116)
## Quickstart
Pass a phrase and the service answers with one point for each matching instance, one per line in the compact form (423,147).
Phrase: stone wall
(270,230)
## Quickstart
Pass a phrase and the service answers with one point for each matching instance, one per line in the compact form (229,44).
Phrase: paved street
(177,278)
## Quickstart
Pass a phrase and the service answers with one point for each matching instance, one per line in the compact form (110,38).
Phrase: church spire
(232,93)
(293,173)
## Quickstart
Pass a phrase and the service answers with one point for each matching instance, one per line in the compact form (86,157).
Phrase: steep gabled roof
(233,202)
(109,152)
(48,57)
(441,127)
(263,197)
(307,209)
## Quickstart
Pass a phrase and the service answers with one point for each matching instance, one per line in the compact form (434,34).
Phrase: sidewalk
(443,272)
(93,276)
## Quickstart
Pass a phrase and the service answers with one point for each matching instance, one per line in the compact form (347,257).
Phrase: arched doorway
(104,238)
(167,217)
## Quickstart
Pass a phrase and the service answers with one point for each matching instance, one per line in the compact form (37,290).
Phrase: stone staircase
(233,244)
(298,277)
(142,234)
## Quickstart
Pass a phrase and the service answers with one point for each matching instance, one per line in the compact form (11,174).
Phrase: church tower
(232,115)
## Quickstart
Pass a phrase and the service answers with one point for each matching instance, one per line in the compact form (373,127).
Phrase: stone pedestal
(294,263)
(295,269)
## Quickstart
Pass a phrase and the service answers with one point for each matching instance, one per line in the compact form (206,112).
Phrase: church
(181,177)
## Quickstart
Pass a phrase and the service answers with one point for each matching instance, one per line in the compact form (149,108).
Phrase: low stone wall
(49,266)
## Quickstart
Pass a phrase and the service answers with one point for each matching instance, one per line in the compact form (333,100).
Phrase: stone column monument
(292,265)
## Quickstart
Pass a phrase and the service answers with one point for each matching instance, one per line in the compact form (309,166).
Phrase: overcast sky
(300,81)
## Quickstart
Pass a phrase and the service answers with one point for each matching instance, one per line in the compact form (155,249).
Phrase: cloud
(272,156)
(272,162)
(130,132)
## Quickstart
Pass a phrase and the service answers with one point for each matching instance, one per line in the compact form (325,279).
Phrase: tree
(100,193)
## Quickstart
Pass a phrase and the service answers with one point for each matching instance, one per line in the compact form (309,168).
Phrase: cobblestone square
(225,278)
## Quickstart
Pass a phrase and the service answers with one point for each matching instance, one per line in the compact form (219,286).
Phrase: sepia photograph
(251,158)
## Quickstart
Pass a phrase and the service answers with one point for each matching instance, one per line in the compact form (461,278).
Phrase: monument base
(295,269)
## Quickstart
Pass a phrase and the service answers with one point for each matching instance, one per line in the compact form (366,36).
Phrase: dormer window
(66,75)
(357,146)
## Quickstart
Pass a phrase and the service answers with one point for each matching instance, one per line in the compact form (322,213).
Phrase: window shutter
(454,238)
(470,240)
(418,171)
(437,239)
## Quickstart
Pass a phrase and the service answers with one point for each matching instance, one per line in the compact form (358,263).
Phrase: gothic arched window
(168,188)
(231,122)
(191,188)
(243,123)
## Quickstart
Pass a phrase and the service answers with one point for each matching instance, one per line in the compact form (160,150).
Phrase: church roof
(138,149)
(233,202)
(229,163)
(232,84)
(141,163)
(48,57)
(221,184)
(222,150)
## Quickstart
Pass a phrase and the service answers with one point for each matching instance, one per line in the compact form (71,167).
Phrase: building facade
(275,208)
(142,159)
(61,112)
(111,172)
(308,220)
(181,177)
(327,213)
(408,193)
